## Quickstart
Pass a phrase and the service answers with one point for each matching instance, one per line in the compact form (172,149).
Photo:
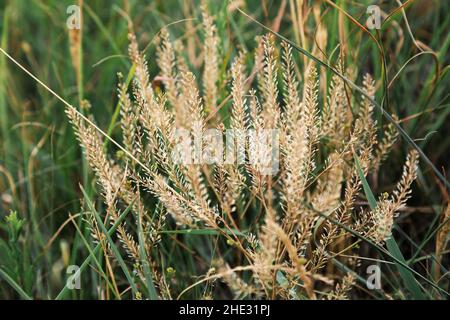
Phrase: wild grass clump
(275,236)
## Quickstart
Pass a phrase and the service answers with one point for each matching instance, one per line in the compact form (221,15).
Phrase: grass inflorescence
(357,183)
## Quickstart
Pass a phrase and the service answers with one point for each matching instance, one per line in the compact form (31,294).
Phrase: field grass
(46,185)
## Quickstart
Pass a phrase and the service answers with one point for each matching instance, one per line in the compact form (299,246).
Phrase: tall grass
(148,228)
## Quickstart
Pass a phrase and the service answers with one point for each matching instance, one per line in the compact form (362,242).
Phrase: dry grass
(287,239)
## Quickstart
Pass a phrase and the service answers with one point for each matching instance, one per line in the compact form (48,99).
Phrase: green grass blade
(409,280)
(92,254)
(407,277)
(381,250)
(86,262)
(404,134)
(144,260)
(14,285)
(117,109)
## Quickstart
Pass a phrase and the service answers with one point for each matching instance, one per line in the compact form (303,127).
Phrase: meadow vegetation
(88,177)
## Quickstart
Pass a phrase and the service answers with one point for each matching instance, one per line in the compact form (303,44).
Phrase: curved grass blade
(4,120)
(360,279)
(409,280)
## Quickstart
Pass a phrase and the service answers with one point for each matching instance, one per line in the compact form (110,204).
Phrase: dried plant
(288,239)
